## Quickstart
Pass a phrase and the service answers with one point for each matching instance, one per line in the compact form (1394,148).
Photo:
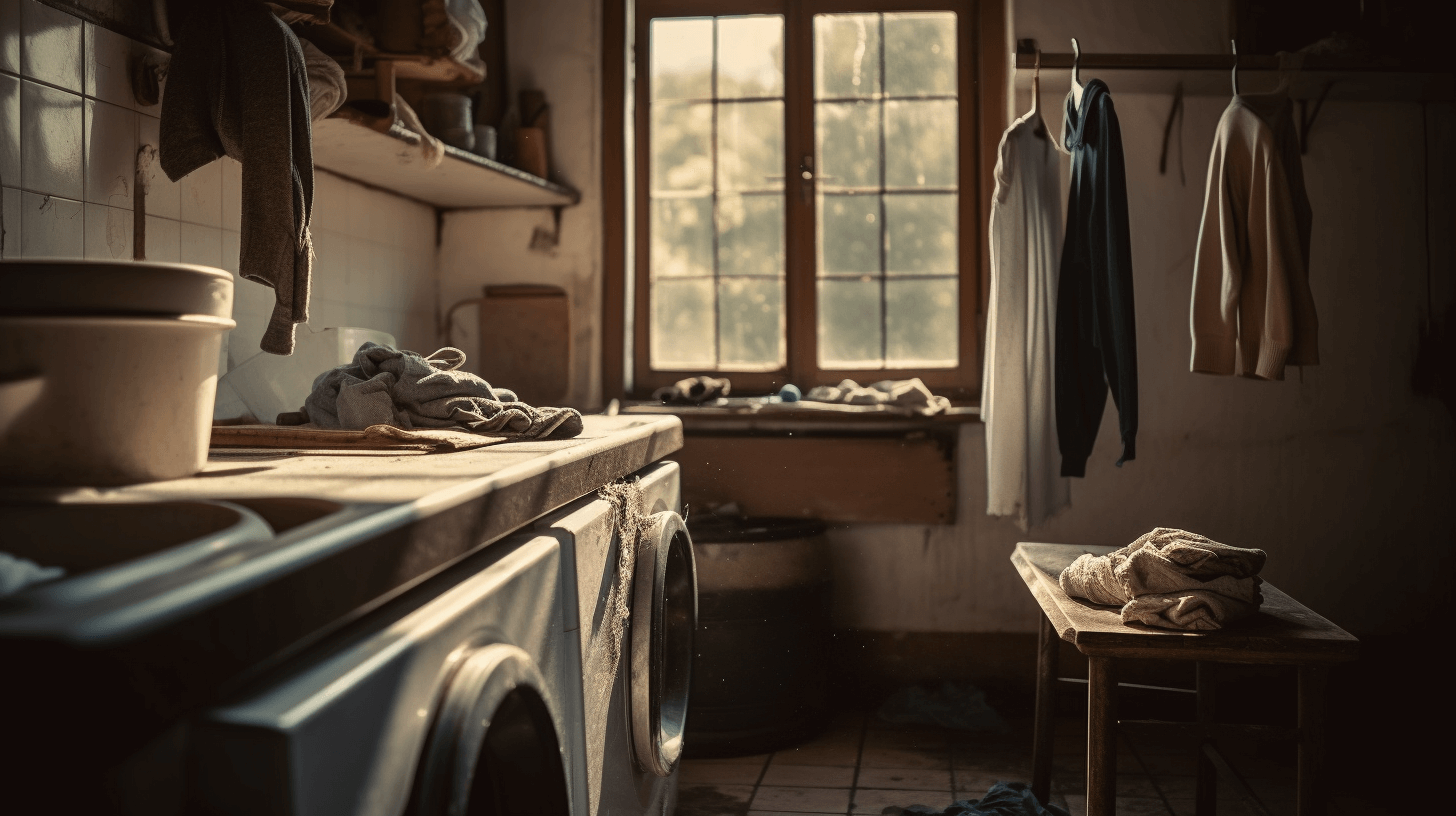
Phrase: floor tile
(696,772)
(713,800)
(875,801)
(1176,787)
(843,754)
(809,776)
(904,778)
(982,781)
(754,759)
(922,758)
(1126,806)
(801,800)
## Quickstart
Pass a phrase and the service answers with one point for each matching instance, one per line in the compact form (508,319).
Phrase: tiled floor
(862,765)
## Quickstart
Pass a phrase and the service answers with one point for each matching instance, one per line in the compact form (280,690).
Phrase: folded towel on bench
(1173,579)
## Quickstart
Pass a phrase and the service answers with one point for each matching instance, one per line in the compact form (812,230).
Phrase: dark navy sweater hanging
(1096,343)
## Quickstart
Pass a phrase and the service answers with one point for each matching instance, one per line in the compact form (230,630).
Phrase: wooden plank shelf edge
(394,161)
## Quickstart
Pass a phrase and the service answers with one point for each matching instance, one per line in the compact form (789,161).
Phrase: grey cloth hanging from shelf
(238,86)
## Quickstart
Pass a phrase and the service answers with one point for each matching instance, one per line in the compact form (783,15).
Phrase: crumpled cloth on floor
(388,386)
(1003,799)
(1173,579)
(911,395)
(956,705)
(693,391)
(18,573)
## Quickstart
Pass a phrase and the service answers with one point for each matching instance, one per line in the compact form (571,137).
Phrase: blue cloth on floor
(1003,799)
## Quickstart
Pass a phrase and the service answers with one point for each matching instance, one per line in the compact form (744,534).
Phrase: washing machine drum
(664,615)
(493,749)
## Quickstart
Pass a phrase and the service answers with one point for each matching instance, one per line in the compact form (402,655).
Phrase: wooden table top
(1283,631)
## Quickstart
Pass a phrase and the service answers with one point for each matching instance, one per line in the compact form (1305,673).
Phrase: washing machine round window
(492,749)
(664,614)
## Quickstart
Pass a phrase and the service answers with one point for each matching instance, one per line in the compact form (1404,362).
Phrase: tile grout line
(864,729)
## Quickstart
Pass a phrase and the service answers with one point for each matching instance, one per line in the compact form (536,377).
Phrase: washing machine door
(492,749)
(664,615)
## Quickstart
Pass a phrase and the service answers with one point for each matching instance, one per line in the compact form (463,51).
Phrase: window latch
(806,173)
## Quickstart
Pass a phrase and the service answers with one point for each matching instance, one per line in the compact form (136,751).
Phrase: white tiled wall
(70,130)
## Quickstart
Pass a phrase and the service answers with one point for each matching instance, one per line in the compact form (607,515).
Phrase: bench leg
(1101,736)
(1206,803)
(1048,642)
(1309,798)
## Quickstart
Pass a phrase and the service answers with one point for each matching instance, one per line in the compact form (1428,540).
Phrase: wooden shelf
(393,161)
(1208,75)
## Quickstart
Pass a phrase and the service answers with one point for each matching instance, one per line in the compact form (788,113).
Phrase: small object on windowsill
(790,393)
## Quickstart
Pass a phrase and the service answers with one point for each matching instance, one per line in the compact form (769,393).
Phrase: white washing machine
(498,687)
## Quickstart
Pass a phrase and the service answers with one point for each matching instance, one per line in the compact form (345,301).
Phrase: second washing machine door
(492,749)
(664,615)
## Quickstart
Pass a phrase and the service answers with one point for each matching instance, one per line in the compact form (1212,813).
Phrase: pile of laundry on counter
(388,386)
(1172,579)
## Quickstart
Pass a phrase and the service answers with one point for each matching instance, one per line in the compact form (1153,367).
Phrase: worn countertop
(352,532)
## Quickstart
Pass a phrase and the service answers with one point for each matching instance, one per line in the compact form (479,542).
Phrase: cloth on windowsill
(1003,799)
(388,386)
(18,573)
(1172,579)
(693,391)
(909,395)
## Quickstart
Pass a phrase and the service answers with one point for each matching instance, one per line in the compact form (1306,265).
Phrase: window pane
(682,237)
(717,207)
(751,235)
(846,55)
(920,144)
(751,146)
(849,143)
(682,324)
(849,324)
(920,323)
(849,235)
(750,56)
(682,58)
(681,135)
(922,234)
(883,147)
(920,54)
(750,324)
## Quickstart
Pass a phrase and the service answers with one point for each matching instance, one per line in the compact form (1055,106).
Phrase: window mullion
(800,206)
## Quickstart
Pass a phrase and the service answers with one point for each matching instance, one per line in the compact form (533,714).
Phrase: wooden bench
(1283,632)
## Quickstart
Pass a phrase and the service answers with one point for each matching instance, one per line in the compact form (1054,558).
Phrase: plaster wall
(1340,472)
(553,46)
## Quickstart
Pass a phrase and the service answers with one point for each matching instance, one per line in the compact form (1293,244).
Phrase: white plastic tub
(106,400)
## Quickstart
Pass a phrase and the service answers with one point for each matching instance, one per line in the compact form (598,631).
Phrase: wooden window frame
(981,78)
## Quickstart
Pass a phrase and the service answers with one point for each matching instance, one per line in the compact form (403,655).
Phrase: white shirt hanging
(1017,405)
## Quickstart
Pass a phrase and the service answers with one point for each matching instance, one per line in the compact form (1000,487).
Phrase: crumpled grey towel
(1173,579)
(238,86)
(388,386)
(911,394)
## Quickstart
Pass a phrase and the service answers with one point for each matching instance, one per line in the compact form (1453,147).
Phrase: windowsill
(753,414)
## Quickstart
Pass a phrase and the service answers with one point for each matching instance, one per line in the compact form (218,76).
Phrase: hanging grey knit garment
(238,86)
(1171,578)
(387,386)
